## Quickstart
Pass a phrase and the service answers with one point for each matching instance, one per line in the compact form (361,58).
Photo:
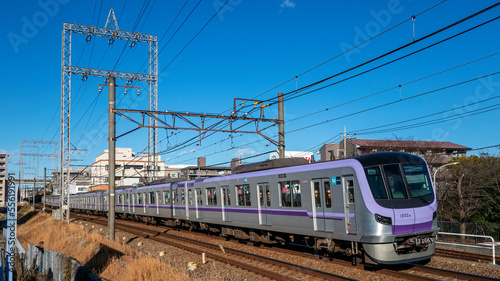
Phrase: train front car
(399,220)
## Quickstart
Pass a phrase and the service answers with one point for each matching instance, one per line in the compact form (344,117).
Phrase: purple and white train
(380,207)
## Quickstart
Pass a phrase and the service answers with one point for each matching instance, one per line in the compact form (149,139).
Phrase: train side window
(152,200)
(268,195)
(317,194)
(119,199)
(243,192)
(183,199)
(290,194)
(211,196)
(199,194)
(174,197)
(350,190)
(296,192)
(140,198)
(328,194)
(374,177)
(166,196)
(190,197)
(395,181)
(286,194)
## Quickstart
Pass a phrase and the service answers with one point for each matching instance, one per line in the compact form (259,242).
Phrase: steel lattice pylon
(67,70)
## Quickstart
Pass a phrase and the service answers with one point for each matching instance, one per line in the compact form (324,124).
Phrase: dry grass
(110,260)
(141,268)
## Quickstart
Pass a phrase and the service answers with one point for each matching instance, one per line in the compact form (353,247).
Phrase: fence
(476,228)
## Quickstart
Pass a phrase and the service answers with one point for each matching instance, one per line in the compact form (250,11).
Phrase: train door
(167,201)
(175,200)
(190,202)
(134,201)
(128,202)
(350,207)
(226,203)
(158,202)
(264,202)
(322,202)
(198,198)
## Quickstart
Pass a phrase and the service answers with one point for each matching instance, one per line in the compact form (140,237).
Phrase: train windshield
(376,182)
(418,180)
(402,181)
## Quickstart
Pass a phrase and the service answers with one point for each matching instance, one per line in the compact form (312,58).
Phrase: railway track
(442,252)
(266,267)
(276,269)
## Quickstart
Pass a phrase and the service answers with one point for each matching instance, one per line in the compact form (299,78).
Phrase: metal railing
(477,228)
(472,246)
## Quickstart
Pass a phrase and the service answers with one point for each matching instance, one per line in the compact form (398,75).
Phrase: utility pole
(345,143)
(111,153)
(281,114)
(34,185)
(44,186)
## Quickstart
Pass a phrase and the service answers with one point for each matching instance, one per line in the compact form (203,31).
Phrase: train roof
(390,157)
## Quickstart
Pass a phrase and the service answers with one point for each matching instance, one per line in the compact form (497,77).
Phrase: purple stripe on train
(409,228)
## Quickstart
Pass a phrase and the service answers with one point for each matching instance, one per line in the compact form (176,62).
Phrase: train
(379,208)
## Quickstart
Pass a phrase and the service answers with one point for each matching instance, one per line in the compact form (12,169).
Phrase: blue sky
(248,48)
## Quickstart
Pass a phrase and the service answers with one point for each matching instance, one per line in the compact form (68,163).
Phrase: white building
(294,154)
(130,169)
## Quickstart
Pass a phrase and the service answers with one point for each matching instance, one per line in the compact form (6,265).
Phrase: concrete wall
(56,265)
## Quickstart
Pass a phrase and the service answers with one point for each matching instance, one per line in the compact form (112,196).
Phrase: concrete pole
(281,118)
(345,143)
(44,186)
(111,172)
(34,185)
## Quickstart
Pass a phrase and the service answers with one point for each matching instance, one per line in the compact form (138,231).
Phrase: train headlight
(383,220)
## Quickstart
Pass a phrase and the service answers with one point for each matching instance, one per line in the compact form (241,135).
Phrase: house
(436,153)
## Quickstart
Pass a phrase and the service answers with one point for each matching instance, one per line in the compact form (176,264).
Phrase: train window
(140,198)
(183,199)
(328,194)
(119,199)
(243,192)
(152,198)
(166,195)
(175,198)
(290,193)
(286,194)
(268,195)
(317,194)
(128,199)
(190,197)
(395,181)
(211,196)
(350,190)
(199,196)
(418,180)
(374,177)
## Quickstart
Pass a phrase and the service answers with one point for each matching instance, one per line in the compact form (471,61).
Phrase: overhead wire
(295,94)
(395,87)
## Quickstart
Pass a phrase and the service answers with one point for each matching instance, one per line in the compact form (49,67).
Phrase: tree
(471,192)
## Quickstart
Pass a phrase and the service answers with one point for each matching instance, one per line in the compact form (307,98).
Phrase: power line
(293,93)
(196,35)
(491,146)
(397,101)
(350,49)
(395,87)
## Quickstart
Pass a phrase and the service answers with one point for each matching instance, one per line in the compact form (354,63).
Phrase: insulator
(100,90)
(138,91)
(125,92)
